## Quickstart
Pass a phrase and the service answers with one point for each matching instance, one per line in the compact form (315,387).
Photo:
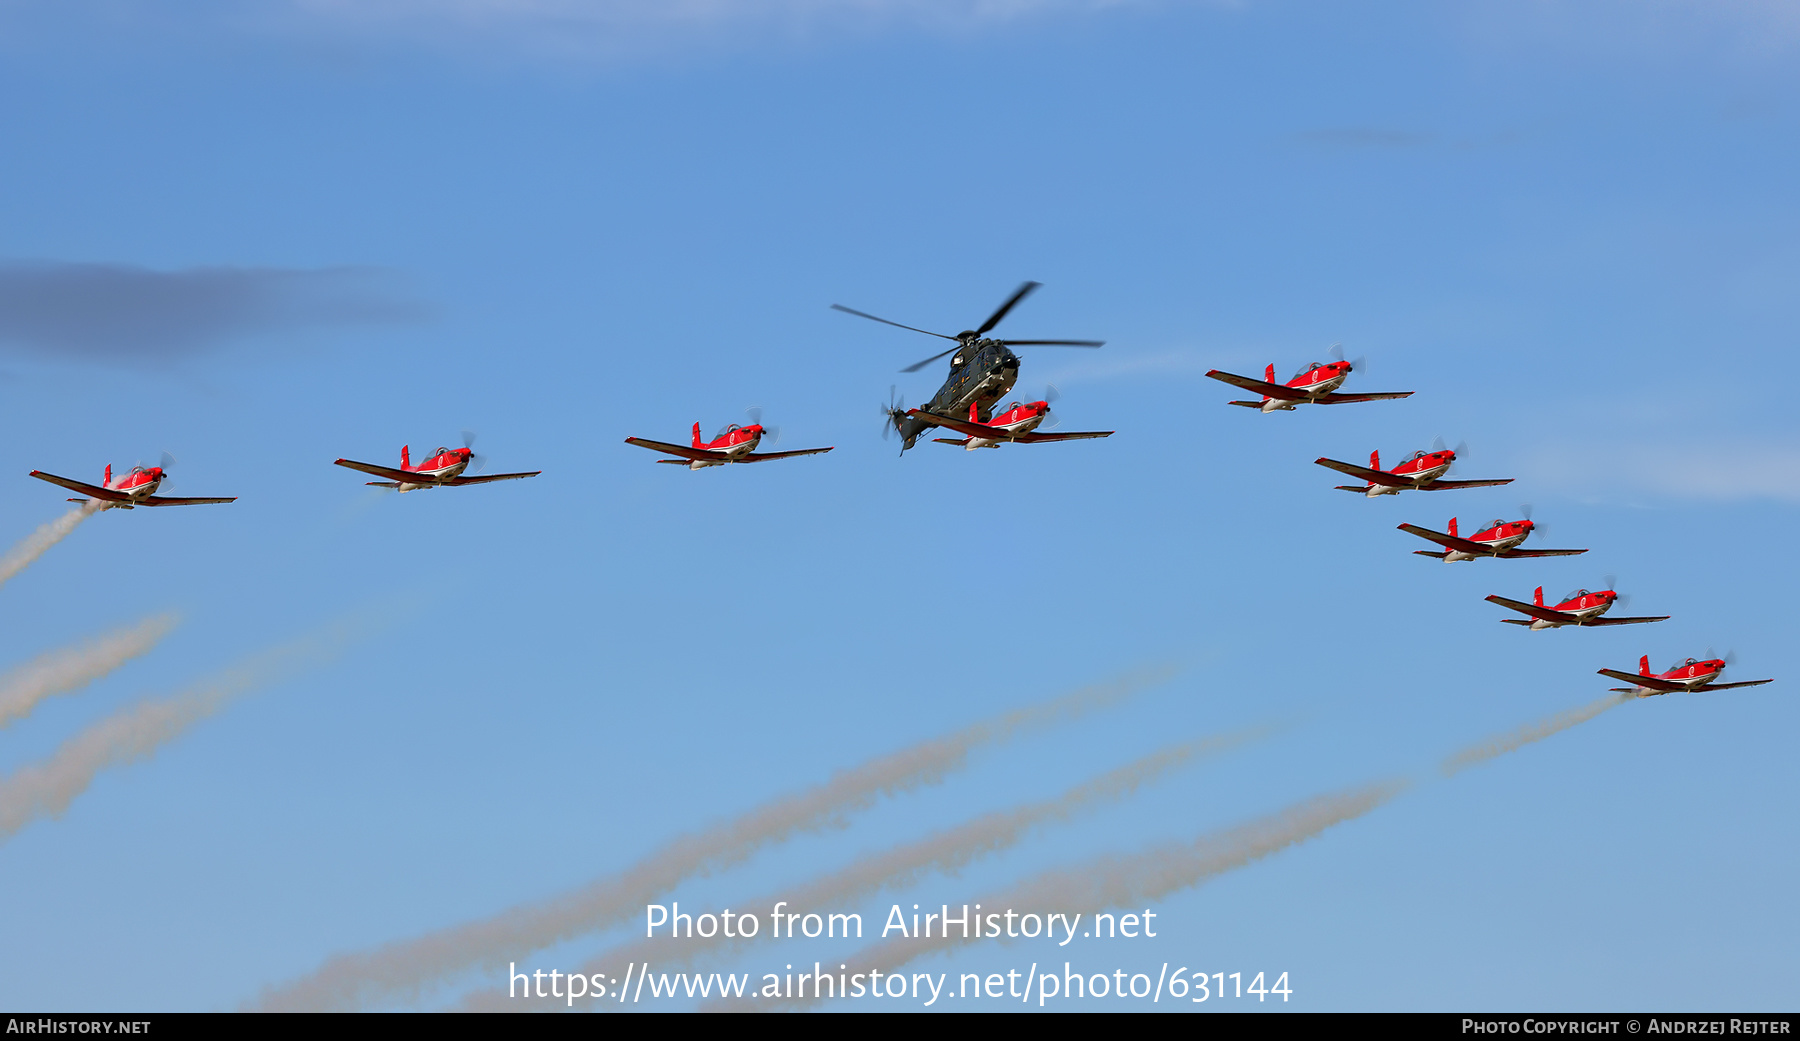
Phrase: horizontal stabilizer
(1603,620)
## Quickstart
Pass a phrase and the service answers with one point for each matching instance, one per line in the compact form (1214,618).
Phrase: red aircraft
(1421,471)
(1501,539)
(1313,384)
(1578,608)
(1689,677)
(734,444)
(444,467)
(137,487)
(1014,424)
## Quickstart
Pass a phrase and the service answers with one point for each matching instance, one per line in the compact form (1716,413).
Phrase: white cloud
(1715,469)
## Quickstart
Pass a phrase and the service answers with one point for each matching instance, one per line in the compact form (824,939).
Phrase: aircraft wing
(1604,620)
(399,476)
(1743,683)
(88,490)
(1661,686)
(1075,436)
(164,500)
(961,426)
(1540,552)
(1546,613)
(1372,476)
(763,457)
(1345,399)
(1446,541)
(485,478)
(1273,390)
(697,454)
(1442,485)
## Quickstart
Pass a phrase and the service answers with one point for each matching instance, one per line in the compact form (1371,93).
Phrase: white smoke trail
(406,968)
(1504,743)
(136,732)
(1127,881)
(70,669)
(947,850)
(33,545)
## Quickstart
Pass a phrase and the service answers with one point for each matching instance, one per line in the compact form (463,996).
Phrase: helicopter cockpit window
(957,362)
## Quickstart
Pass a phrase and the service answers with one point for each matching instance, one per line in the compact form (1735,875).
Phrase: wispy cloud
(1366,137)
(120,313)
(1716,470)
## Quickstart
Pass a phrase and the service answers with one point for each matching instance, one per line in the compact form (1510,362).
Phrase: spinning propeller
(892,412)
(476,460)
(969,336)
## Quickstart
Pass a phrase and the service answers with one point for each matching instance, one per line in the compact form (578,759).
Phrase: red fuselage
(1421,468)
(1316,380)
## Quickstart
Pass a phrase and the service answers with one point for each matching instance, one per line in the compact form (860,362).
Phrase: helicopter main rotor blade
(994,319)
(884,321)
(1054,343)
(928,361)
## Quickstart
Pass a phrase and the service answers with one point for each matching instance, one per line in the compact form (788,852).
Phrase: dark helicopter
(981,372)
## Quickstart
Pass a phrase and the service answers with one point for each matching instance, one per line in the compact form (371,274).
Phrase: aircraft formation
(1502,539)
(982,371)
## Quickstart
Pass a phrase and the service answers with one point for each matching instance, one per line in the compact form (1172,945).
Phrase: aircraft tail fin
(1644,665)
(1537,596)
(696,435)
(1375,460)
(405,456)
(106,482)
(1453,533)
(974,411)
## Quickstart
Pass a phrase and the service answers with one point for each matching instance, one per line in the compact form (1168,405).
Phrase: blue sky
(1569,227)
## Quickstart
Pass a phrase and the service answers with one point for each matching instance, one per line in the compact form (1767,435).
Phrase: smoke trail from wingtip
(70,669)
(1504,743)
(946,850)
(406,968)
(45,789)
(1130,881)
(35,544)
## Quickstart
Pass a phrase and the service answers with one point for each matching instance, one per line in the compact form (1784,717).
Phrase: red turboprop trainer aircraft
(734,444)
(137,487)
(1578,608)
(1689,677)
(1501,539)
(1421,471)
(1313,385)
(1014,424)
(443,468)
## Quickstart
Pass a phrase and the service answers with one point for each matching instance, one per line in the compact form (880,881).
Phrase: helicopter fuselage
(981,373)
